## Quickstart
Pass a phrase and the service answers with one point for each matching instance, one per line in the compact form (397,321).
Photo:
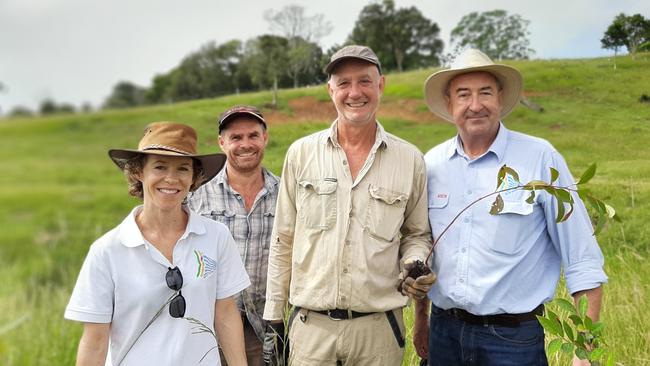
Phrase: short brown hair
(133,170)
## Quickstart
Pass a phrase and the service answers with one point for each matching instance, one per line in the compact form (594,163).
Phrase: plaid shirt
(251,231)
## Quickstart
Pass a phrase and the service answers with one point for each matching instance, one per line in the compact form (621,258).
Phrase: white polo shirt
(122,282)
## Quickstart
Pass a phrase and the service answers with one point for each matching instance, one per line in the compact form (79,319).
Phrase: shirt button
(466,220)
(345,270)
(463,250)
(462,280)
(343,298)
(345,162)
(347,242)
(469,192)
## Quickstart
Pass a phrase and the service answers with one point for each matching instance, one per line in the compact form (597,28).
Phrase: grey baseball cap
(354,51)
(237,111)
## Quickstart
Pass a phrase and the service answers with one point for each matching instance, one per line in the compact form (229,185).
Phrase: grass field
(59,191)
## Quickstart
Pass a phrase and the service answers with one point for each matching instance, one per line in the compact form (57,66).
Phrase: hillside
(59,191)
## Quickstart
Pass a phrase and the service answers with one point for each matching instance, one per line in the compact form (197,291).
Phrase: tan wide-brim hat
(170,139)
(472,60)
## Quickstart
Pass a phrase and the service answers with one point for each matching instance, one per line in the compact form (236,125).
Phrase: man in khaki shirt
(351,211)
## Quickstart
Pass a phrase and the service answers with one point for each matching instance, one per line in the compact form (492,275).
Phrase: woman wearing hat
(154,290)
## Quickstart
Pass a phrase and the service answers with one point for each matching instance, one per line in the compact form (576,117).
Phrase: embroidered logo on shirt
(508,182)
(441,195)
(206,265)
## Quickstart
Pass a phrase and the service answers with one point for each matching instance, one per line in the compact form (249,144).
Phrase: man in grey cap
(496,271)
(242,197)
(351,215)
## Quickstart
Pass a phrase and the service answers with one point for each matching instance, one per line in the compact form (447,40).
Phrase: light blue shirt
(510,262)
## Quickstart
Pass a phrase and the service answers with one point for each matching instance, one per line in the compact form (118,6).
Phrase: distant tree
(302,33)
(125,94)
(496,33)
(160,90)
(20,111)
(266,60)
(292,22)
(632,31)
(614,36)
(212,71)
(48,106)
(402,38)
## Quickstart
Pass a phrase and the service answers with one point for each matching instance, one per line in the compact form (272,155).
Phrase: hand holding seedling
(416,279)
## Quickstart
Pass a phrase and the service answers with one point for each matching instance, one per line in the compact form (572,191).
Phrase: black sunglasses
(175,282)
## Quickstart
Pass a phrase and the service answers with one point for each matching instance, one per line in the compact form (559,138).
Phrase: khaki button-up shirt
(337,243)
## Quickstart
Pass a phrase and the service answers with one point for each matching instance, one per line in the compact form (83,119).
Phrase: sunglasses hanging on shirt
(174,279)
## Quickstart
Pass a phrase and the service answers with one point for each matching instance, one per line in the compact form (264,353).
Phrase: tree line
(291,56)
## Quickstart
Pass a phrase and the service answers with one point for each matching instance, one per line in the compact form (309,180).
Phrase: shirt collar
(270,182)
(498,146)
(381,137)
(130,235)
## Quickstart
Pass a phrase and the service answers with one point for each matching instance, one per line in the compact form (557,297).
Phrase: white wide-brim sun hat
(472,60)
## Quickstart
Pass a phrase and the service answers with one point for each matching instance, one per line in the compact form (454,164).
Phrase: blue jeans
(454,342)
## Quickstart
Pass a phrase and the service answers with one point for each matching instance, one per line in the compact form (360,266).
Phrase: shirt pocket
(509,226)
(385,213)
(317,203)
(223,216)
(437,201)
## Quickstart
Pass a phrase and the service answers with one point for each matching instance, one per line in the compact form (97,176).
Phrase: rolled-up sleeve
(573,239)
(280,251)
(416,238)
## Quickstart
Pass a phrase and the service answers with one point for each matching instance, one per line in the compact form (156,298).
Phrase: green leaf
(568,330)
(588,323)
(531,198)
(597,354)
(566,305)
(554,175)
(568,214)
(588,174)
(497,205)
(551,326)
(501,176)
(582,353)
(552,315)
(610,360)
(554,346)
(567,347)
(582,306)
(563,195)
(575,319)
(512,172)
(535,184)
(560,212)
(597,328)
(610,211)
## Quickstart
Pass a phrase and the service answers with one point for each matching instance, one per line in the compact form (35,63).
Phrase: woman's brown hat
(170,139)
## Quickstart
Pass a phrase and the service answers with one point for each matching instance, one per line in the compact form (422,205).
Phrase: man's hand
(275,349)
(415,288)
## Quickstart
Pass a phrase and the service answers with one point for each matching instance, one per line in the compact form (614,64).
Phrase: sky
(75,51)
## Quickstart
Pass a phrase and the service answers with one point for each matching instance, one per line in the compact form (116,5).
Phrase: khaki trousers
(315,339)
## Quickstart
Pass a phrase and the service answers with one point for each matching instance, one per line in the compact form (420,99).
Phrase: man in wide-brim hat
(495,272)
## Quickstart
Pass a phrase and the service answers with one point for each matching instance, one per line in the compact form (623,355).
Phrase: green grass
(59,191)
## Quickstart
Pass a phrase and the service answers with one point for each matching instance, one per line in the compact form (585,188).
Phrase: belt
(506,320)
(341,314)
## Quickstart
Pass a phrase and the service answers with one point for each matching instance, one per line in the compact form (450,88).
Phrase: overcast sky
(74,51)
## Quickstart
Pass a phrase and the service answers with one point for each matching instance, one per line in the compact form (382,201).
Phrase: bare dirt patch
(310,109)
